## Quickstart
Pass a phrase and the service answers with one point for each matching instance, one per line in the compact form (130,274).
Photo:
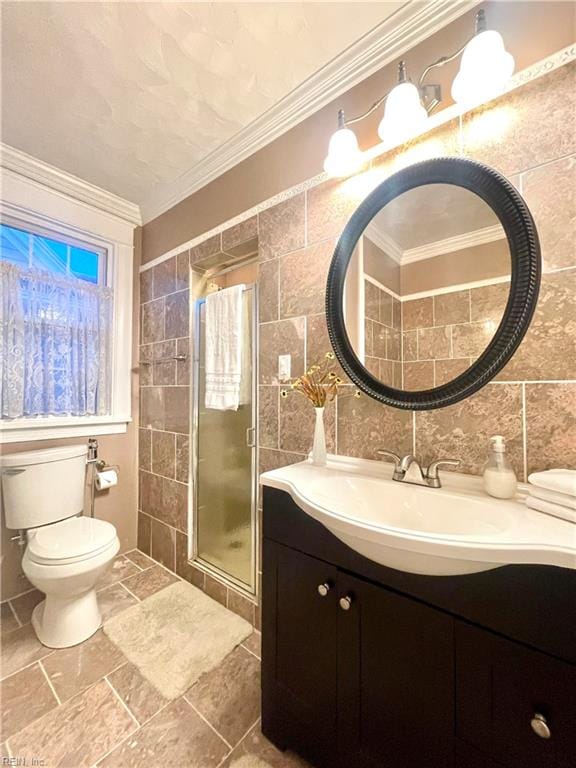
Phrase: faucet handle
(432,471)
(390,455)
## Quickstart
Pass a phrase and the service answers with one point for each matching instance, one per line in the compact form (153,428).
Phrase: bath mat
(176,635)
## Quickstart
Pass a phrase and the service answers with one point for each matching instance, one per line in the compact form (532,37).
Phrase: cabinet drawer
(500,688)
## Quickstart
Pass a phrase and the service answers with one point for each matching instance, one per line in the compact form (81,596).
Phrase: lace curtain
(55,345)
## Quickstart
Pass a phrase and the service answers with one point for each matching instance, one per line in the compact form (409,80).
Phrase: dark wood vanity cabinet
(365,667)
(395,678)
(501,687)
(363,671)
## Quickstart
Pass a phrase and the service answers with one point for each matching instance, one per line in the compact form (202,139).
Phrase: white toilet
(65,555)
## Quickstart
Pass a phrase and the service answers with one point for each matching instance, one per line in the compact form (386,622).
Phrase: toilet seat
(70,541)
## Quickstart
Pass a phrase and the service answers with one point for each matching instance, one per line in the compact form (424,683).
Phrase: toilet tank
(44,486)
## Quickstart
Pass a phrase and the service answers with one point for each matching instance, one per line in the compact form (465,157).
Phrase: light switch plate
(284,367)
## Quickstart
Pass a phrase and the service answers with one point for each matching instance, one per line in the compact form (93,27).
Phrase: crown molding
(19,162)
(384,242)
(545,66)
(404,29)
(453,244)
(438,248)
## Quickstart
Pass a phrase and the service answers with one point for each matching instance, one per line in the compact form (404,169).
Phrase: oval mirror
(433,284)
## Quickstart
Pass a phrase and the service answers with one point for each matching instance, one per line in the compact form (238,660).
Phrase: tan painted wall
(480,262)
(532,30)
(119,504)
(381,267)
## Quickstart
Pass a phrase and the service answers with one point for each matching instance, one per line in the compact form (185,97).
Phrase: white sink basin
(455,529)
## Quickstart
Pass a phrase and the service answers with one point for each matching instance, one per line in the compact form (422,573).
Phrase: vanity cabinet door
(466,756)
(299,662)
(396,680)
(501,688)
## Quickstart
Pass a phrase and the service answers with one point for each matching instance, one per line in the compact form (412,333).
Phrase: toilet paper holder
(101,466)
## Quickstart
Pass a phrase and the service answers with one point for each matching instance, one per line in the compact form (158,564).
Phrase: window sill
(53,428)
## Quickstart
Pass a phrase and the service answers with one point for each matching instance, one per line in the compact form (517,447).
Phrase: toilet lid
(73,539)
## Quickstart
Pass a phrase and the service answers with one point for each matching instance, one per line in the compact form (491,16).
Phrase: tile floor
(88,706)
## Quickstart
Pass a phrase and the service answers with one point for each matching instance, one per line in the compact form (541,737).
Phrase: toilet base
(60,622)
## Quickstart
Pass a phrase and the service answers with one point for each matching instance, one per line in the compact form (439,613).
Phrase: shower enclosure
(224,468)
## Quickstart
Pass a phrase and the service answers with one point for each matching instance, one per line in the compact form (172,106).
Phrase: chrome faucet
(408,469)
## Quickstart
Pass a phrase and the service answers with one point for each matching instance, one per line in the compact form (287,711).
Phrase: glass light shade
(344,157)
(485,69)
(404,114)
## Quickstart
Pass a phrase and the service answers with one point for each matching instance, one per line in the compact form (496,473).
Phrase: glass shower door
(224,472)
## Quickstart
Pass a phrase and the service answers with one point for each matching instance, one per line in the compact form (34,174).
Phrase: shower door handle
(251,437)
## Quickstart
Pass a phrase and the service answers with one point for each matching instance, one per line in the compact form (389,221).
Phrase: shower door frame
(193,520)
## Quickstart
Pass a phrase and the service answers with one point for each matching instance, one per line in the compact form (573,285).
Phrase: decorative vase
(319,445)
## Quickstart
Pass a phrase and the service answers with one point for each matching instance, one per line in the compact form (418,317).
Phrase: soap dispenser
(499,477)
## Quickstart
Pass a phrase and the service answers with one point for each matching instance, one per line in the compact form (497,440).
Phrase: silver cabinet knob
(345,603)
(323,589)
(540,726)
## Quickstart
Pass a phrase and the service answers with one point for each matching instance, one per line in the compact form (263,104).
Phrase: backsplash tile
(551,425)
(365,425)
(526,128)
(548,351)
(462,431)
(318,343)
(297,418)
(550,192)
(330,205)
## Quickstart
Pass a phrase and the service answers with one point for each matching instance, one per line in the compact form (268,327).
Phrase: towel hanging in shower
(224,342)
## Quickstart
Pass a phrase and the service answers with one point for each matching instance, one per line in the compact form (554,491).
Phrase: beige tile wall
(164,433)
(528,136)
(443,335)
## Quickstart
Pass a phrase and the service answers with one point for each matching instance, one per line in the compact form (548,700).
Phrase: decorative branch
(319,384)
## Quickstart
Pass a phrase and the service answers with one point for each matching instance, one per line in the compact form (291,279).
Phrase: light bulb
(485,69)
(404,114)
(344,157)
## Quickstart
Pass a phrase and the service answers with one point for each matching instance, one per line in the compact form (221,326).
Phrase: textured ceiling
(130,95)
(418,218)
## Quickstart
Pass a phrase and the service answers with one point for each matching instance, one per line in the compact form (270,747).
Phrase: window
(67,262)
(32,250)
(56,318)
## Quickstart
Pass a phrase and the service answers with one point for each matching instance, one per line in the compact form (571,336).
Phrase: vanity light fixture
(403,111)
(344,157)
(485,69)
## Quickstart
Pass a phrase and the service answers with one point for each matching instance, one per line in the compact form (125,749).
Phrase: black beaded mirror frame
(524,247)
